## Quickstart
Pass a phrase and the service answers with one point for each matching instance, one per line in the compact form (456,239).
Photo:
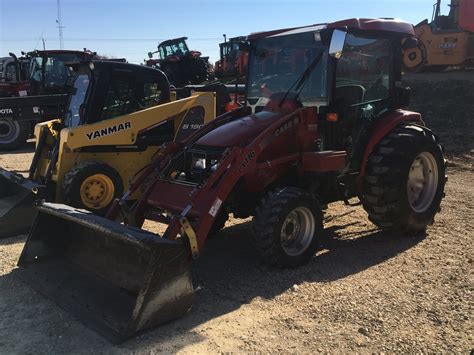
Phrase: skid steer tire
(404,181)
(13,134)
(92,185)
(287,227)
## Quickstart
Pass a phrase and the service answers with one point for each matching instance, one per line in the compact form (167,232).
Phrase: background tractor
(117,117)
(448,40)
(181,65)
(326,128)
(233,60)
(37,74)
(13,75)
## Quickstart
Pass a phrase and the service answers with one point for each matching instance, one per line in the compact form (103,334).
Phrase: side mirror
(150,55)
(411,42)
(336,46)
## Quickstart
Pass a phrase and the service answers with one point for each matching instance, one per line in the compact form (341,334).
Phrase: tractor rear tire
(404,181)
(92,185)
(13,134)
(287,227)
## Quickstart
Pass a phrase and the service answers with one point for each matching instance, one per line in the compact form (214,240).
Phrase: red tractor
(40,75)
(325,129)
(13,75)
(233,60)
(181,65)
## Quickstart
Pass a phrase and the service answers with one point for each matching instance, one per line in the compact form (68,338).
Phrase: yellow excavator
(448,40)
(117,117)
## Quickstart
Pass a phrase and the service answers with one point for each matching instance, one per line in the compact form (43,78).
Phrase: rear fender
(381,129)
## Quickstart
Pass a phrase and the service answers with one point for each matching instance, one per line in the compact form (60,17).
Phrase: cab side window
(365,68)
(119,99)
(151,95)
(10,72)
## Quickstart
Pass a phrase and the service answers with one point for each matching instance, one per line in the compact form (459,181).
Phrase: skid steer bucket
(115,279)
(17,203)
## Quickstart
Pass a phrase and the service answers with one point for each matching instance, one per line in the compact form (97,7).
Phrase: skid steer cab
(328,125)
(117,117)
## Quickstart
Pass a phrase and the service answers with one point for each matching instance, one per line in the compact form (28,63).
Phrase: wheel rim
(97,191)
(297,231)
(9,130)
(422,182)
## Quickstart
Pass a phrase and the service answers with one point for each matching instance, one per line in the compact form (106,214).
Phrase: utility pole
(59,21)
(44,45)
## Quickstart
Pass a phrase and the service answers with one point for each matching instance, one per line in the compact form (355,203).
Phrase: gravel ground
(366,291)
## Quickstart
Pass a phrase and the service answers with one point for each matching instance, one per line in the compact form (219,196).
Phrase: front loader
(117,117)
(326,127)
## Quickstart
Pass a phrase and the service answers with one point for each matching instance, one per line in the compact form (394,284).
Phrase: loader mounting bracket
(189,231)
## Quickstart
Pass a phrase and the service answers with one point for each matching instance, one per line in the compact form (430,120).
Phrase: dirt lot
(366,291)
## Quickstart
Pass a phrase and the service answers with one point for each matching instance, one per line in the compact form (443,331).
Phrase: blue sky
(131,29)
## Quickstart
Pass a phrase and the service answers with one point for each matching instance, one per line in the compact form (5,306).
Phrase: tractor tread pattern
(267,216)
(384,185)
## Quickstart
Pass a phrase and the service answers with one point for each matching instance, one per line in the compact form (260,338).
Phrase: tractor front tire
(287,227)
(92,185)
(404,181)
(13,134)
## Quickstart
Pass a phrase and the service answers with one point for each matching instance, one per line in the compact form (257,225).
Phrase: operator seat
(346,96)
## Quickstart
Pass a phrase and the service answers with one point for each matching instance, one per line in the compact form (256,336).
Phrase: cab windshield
(51,71)
(276,63)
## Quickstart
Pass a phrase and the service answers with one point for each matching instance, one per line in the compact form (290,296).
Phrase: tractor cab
(49,71)
(459,17)
(173,48)
(13,75)
(348,74)
(233,60)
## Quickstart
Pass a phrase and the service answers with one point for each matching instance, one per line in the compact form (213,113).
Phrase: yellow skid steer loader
(118,115)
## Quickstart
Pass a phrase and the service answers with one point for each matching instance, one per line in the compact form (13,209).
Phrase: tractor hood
(240,131)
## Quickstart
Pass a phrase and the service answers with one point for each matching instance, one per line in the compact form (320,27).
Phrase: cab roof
(387,25)
(122,66)
(173,40)
(85,54)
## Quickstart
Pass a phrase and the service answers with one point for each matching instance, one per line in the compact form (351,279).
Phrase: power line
(110,39)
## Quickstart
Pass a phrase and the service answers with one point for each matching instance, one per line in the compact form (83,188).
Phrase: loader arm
(200,203)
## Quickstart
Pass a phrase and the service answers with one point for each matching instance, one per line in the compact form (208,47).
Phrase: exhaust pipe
(17,203)
(115,279)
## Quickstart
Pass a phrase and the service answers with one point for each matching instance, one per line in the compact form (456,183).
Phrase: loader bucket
(17,203)
(115,279)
